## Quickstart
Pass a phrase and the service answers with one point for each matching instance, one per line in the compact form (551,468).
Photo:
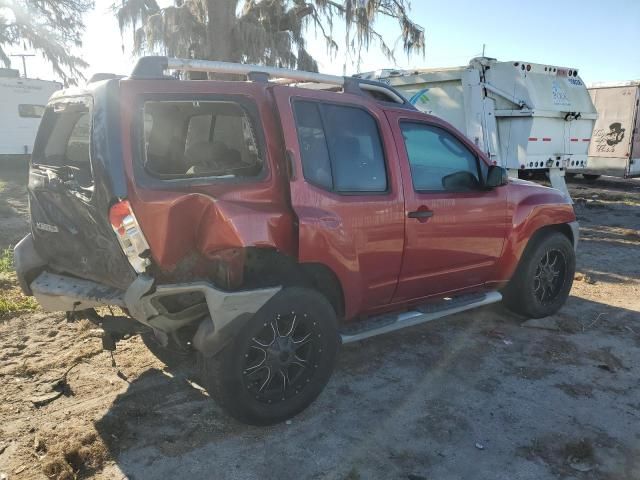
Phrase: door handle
(420,214)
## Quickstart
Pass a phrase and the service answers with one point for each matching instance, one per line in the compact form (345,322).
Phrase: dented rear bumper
(218,318)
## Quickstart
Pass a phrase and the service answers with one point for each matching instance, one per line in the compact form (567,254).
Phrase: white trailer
(22,103)
(527,117)
(615,145)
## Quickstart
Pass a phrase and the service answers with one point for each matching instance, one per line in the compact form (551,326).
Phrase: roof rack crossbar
(154,67)
(211,66)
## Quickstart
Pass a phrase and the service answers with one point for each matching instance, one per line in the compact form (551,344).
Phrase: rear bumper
(218,318)
(27,263)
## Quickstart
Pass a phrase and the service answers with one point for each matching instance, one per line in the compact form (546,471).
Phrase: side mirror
(496,177)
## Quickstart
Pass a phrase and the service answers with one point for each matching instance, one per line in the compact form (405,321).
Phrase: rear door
(346,191)
(614,127)
(70,231)
(455,228)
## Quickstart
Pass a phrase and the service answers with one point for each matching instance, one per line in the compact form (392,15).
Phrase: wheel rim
(550,276)
(282,358)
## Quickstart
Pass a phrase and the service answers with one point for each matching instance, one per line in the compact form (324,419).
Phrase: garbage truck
(615,146)
(529,118)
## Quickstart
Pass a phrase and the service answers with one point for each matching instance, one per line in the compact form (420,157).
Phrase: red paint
(210,217)
(460,244)
(360,237)
(546,139)
(383,259)
(533,139)
(574,139)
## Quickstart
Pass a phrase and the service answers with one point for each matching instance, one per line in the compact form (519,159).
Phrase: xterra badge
(46,227)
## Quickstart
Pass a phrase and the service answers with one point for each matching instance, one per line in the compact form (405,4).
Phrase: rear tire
(280,361)
(543,278)
(590,177)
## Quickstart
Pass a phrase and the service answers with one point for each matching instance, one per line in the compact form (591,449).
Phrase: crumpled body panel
(188,223)
(177,226)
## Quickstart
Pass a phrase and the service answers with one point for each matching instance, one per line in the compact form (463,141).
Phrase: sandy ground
(482,395)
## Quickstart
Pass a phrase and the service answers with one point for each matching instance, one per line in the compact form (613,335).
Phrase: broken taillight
(130,236)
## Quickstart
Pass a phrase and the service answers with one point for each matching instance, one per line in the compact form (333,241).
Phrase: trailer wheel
(543,279)
(279,362)
(590,177)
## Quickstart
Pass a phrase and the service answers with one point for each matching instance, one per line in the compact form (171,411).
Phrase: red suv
(263,222)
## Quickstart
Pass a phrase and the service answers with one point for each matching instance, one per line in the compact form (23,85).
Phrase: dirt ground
(483,395)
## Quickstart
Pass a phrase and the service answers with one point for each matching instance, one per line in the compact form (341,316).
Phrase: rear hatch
(70,195)
(615,141)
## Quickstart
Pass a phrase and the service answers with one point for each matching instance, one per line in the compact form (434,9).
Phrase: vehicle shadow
(409,403)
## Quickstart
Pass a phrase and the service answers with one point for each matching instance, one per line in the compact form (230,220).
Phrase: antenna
(24,61)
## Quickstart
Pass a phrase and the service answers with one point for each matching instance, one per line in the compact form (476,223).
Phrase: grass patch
(6,260)
(13,302)
(73,455)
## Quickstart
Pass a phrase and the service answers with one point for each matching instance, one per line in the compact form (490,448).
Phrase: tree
(51,27)
(269,32)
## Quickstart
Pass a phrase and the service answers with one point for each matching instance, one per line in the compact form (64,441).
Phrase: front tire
(543,279)
(279,362)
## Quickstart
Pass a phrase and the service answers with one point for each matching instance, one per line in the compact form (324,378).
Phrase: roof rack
(155,66)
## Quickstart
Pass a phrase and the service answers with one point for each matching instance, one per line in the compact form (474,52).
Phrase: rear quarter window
(195,139)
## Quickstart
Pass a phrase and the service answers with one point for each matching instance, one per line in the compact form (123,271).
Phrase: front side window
(27,110)
(185,139)
(340,148)
(438,160)
(64,139)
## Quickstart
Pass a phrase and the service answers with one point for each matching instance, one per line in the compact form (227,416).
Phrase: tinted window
(316,165)
(340,147)
(30,111)
(438,160)
(64,138)
(199,139)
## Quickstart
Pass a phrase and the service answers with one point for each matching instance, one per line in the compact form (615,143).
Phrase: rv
(22,103)
(615,146)
(527,117)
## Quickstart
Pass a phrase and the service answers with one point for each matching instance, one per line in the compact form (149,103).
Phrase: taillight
(130,236)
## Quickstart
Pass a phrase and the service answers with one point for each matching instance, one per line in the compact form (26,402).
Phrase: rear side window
(64,139)
(186,139)
(340,148)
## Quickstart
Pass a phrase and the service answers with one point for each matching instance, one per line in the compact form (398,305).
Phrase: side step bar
(425,313)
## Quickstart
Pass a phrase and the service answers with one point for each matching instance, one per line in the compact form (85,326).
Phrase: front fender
(533,209)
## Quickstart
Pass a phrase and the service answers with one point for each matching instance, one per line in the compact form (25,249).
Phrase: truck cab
(262,223)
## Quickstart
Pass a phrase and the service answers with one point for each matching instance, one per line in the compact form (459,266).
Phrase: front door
(346,191)
(455,227)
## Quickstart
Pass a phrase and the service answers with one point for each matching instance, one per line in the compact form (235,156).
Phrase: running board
(425,313)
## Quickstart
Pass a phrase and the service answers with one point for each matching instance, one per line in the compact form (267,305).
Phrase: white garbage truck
(22,103)
(615,145)
(527,117)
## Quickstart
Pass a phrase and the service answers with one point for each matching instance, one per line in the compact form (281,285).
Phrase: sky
(600,38)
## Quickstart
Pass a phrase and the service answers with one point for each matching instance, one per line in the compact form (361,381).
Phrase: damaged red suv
(262,223)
